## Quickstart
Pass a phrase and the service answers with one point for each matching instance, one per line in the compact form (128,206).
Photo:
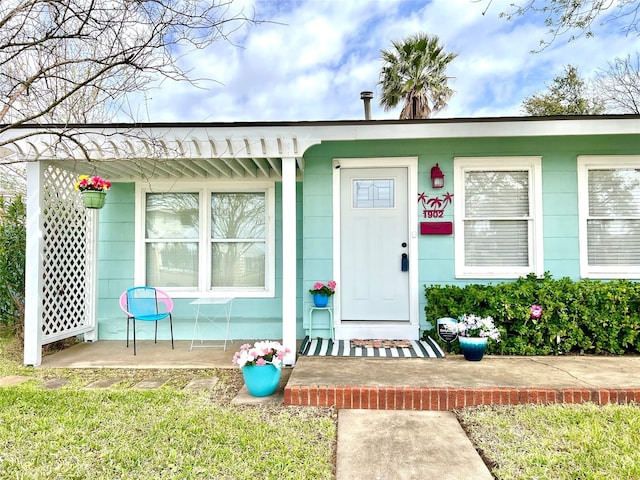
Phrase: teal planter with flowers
(473,348)
(261,380)
(261,366)
(474,334)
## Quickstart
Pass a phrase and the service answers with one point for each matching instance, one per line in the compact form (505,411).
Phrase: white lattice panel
(68,239)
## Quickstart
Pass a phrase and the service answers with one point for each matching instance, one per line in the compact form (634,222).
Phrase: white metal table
(203,313)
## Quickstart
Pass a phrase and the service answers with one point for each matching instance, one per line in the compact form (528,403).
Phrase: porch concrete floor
(401,383)
(115,354)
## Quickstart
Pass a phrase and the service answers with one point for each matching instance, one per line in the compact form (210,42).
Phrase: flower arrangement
(262,353)
(322,289)
(92,184)
(475,326)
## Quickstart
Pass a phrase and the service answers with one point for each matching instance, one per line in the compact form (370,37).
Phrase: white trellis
(61,246)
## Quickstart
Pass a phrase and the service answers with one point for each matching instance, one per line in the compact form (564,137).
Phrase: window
(374,193)
(228,231)
(498,215)
(609,208)
(171,239)
(238,240)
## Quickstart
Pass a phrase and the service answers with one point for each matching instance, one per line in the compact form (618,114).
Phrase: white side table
(313,309)
(205,309)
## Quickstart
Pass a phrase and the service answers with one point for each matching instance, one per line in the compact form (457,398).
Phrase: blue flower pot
(473,348)
(320,300)
(261,380)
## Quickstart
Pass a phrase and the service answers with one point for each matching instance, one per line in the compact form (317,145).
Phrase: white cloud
(314,59)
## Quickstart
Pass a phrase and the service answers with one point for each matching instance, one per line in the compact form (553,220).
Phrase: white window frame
(536,240)
(204,191)
(599,162)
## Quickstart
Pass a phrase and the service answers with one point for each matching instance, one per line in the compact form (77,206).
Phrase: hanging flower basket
(92,199)
(93,190)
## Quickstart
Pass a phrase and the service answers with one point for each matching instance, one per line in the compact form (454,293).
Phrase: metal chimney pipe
(366,97)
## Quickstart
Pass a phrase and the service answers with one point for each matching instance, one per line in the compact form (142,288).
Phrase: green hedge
(586,316)
(12,263)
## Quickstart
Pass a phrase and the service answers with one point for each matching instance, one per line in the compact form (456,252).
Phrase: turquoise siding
(261,318)
(436,252)
(257,318)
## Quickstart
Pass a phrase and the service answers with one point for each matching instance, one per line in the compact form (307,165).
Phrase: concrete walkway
(394,445)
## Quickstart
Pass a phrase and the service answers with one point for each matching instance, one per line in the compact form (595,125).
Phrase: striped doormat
(325,347)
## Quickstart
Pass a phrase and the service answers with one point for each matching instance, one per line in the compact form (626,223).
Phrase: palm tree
(414,72)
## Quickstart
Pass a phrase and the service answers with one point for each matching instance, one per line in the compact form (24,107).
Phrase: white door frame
(377,329)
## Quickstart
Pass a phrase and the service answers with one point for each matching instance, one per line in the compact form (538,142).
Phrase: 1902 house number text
(433,213)
(434,207)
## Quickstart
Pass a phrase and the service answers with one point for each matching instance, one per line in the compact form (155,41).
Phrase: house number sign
(434,207)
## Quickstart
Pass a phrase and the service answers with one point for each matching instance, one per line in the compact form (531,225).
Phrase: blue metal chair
(147,304)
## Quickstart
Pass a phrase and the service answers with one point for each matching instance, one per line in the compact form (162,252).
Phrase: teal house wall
(252,317)
(436,252)
(261,318)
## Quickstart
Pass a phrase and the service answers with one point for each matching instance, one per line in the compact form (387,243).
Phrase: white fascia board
(292,139)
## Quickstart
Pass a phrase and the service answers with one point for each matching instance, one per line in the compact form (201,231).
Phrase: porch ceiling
(144,155)
(126,170)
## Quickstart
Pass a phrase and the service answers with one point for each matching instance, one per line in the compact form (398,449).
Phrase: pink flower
(328,289)
(535,311)
(261,353)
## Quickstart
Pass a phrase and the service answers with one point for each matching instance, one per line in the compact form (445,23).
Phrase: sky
(312,58)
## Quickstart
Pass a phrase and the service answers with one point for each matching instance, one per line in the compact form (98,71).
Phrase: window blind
(496,210)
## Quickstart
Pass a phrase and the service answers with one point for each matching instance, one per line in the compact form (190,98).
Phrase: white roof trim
(257,149)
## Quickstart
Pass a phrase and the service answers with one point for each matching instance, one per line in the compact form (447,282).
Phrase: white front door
(375,253)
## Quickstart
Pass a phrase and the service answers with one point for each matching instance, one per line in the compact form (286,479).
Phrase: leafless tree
(73,61)
(574,18)
(619,85)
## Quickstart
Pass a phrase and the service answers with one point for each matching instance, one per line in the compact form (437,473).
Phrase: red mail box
(436,228)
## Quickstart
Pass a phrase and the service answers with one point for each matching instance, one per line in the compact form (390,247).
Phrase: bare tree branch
(619,85)
(575,18)
(75,61)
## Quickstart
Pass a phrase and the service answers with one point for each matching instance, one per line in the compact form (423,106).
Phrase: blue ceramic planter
(473,348)
(261,380)
(320,300)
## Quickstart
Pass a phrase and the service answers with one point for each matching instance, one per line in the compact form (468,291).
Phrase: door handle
(404,263)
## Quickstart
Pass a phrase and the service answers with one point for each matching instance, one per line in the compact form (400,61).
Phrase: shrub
(586,316)
(12,263)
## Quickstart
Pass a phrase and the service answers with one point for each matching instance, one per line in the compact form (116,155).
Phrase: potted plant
(261,366)
(322,292)
(474,333)
(93,190)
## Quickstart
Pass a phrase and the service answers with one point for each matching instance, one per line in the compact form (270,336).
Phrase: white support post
(91,319)
(289,258)
(33,267)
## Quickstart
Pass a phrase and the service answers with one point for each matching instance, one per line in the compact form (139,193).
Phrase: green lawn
(124,433)
(560,442)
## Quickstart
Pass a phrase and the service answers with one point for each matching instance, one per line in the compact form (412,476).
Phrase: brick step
(444,398)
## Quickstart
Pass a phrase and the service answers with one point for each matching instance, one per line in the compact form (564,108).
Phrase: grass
(124,433)
(560,441)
